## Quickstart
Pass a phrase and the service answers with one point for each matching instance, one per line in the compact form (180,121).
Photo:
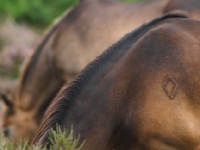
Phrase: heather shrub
(61,140)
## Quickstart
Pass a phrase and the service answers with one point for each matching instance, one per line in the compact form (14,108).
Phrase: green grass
(61,140)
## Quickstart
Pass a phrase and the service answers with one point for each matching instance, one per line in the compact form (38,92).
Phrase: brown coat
(141,94)
(87,30)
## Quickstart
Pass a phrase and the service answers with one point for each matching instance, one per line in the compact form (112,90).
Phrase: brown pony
(141,94)
(81,35)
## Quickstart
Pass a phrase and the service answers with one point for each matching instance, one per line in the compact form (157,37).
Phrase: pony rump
(66,99)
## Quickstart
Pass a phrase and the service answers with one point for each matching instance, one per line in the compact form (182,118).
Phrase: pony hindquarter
(70,45)
(82,34)
(141,94)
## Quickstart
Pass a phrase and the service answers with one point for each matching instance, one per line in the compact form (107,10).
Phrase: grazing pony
(81,35)
(143,93)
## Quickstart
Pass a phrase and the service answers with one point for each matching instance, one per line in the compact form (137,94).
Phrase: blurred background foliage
(37,13)
(22,23)
(34,12)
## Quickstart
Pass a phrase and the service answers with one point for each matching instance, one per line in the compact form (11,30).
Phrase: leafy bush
(61,140)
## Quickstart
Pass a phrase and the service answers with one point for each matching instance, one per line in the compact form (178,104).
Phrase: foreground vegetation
(61,140)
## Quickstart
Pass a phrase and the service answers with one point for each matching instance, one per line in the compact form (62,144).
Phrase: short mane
(65,100)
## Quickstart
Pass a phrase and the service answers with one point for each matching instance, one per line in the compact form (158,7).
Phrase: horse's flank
(70,45)
(91,103)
